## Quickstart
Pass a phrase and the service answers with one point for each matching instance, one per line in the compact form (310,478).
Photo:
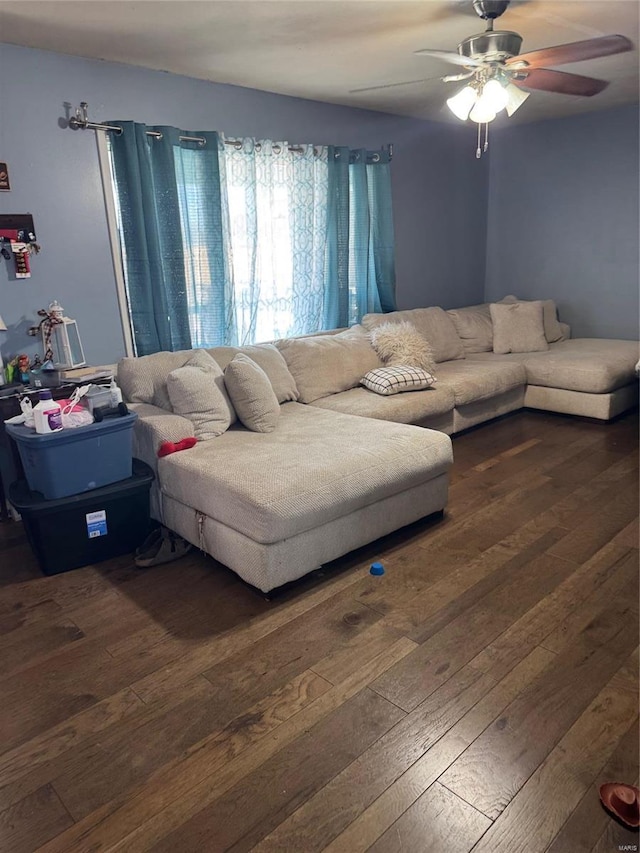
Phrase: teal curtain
(170,220)
(360,259)
(204,219)
(382,266)
(249,241)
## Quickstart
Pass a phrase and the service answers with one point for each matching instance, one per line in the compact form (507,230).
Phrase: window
(244,242)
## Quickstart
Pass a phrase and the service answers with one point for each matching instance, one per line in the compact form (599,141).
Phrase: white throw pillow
(252,394)
(402,344)
(395,380)
(518,327)
(197,392)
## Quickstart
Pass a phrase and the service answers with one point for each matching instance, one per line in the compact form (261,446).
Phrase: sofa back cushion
(252,394)
(327,364)
(270,360)
(474,327)
(144,379)
(518,327)
(553,330)
(434,324)
(197,392)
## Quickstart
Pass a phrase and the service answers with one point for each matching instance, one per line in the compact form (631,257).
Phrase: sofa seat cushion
(401,408)
(315,467)
(590,365)
(593,365)
(472,380)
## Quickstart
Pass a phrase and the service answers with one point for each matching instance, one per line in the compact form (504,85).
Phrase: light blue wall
(439,190)
(563,219)
(556,215)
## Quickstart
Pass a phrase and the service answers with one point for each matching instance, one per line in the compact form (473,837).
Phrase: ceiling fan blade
(392,85)
(560,81)
(449,56)
(574,52)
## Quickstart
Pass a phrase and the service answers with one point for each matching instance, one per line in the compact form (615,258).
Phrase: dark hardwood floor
(472,698)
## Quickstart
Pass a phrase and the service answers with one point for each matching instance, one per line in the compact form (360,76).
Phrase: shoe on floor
(169,547)
(151,543)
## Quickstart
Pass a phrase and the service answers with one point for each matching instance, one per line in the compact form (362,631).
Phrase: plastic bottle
(116,393)
(47,414)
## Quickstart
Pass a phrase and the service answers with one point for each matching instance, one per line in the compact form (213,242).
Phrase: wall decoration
(17,233)
(4,178)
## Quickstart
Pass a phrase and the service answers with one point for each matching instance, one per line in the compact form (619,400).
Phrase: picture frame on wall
(5,186)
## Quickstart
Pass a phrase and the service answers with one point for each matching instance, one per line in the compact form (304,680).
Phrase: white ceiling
(322,49)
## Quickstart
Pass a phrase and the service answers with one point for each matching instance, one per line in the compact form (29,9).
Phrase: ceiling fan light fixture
(462,102)
(494,96)
(482,112)
(515,98)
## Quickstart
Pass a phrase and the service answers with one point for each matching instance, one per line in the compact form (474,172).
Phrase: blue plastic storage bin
(73,461)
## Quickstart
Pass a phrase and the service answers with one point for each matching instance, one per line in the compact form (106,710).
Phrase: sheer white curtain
(276,200)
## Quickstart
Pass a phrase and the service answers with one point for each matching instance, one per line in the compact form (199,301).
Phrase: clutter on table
(87,404)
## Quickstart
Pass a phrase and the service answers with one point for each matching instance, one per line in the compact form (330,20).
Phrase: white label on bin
(96,523)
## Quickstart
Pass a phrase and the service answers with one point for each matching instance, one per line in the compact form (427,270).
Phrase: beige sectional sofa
(344,465)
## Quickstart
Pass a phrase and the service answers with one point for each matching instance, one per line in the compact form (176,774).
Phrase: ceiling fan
(497,72)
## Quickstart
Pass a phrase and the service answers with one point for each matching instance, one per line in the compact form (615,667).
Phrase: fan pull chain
(480,150)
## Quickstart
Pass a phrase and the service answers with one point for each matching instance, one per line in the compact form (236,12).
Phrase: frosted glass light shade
(482,113)
(462,102)
(515,98)
(494,96)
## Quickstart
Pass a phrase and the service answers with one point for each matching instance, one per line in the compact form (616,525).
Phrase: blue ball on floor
(376,569)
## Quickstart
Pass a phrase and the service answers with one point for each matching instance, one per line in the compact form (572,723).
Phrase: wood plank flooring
(473,698)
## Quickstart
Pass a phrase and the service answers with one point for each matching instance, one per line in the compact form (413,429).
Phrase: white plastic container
(97,396)
(115,392)
(47,414)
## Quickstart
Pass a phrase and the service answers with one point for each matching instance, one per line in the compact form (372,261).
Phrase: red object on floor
(622,800)
(168,447)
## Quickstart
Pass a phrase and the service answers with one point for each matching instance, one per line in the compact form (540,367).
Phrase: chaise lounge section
(273,506)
